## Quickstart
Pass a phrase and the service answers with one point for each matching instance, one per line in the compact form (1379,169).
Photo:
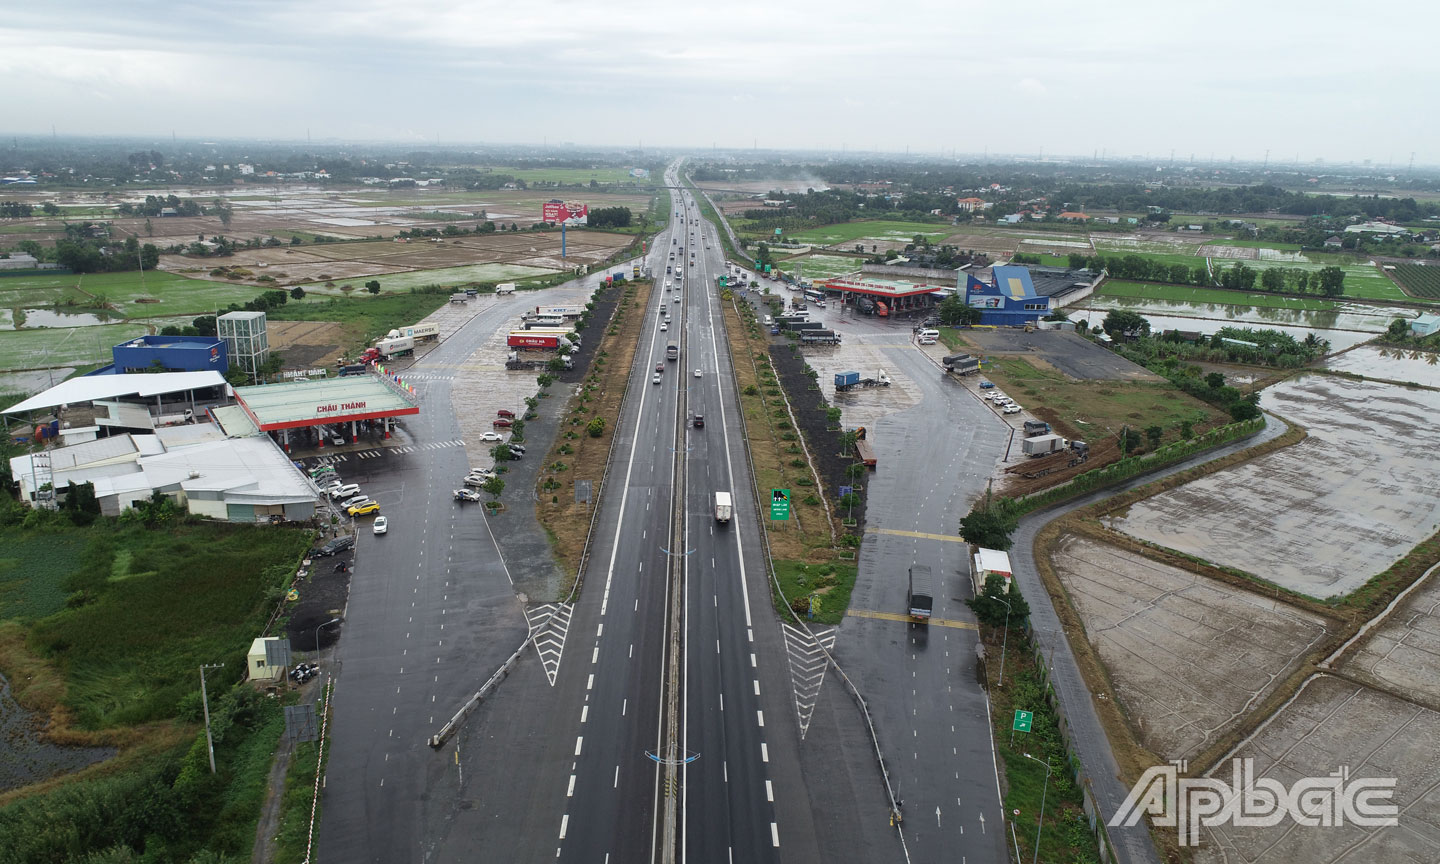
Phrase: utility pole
(205,703)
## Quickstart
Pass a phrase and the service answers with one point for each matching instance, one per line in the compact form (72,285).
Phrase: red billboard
(559,212)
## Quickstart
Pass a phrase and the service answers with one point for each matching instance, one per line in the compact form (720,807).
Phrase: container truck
(851,380)
(527,340)
(537,360)
(863,448)
(544,321)
(387,348)
(420,332)
(568,333)
(1044,445)
(922,592)
(722,507)
(561,311)
(1038,466)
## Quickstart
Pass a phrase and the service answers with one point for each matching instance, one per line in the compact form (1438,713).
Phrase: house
(18,261)
(970,205)
(267,658)
(1333,242)
(1072,216)
(987,563)
(1009,300)
(1013,218)
(1425,325)
(1375,228)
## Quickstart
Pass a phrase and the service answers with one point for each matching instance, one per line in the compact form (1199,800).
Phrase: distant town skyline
(1127,78)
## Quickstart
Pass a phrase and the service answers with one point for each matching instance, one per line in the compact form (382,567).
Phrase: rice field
(1213,296)
(64,346)
(131,294)
(821,266)
(438,276)
(852,232)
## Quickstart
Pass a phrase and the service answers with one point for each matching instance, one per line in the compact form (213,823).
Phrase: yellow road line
(895,616)
(951,538)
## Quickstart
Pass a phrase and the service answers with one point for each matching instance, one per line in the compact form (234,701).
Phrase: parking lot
(1325,515)
(1187,655)
(1068,352)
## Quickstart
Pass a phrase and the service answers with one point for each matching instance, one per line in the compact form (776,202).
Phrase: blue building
(169,354)
(1009,300)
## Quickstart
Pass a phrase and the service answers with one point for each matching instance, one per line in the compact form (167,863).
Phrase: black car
(339,544)
(699,421)
(517,449)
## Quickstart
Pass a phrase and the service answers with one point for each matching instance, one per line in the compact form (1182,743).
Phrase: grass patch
(449,276)
(132,294)
(567,522)
(33,570)
(128,648)
(362,318)
(827,587)
(1089,410)
(64,346)
(853,232)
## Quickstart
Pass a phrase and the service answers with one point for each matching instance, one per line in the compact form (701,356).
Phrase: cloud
(1031,87)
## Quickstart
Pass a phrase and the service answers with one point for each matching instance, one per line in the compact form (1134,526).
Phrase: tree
(80,503)
(1187,429)
(501,453)
(1332,281)
(494,486)
(1154,433)
(989,609)
(988,527)
(49,208)
(1273,279)
(297,293)
(1398,329)
(1243,410)
(1129,440)
(1215,380)
(1076,260)
(1125,321)
(596,427)
(373,286)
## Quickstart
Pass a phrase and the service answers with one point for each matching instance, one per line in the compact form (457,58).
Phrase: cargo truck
(544,321)
(420,332)
(722,507)
(387,348)
(1036,427)
(561,311)
(527,340)
(1043,445)
(537,360)
(820,337)
(852,380)
(1078,452)
(505,288)
(961,364)
(922,593)
(863,449)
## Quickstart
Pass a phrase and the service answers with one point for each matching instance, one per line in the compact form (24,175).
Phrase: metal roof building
(1009,300)
(330,402)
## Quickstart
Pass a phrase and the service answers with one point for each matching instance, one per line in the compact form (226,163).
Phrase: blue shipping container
(846,379)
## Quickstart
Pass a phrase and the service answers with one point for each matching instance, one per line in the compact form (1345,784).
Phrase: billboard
(560,212)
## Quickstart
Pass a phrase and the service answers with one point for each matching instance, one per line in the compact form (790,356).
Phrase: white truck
(559,311)
(420,332)
(723,508)
(1044,445)
(505,288)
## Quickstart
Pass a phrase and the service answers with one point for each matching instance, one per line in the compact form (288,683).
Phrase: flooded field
(52,318)
(1339,339)
(1390,364)
(1325,515)
(24,758)
(1187,655)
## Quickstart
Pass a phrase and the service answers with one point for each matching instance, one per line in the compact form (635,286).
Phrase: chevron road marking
(895,616)
(807,667)
(949,538)
(549,624)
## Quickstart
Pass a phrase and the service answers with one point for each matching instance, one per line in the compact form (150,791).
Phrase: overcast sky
(1315,79)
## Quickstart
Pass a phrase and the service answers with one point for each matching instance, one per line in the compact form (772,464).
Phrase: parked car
(364,509)
(986,385)
(337,440)
(339,544)
(501,423)
(505,412)
(382,524)
(304,672)
(347,490)
(1012,408)
(463,495)
(518,449)
(355,501)
(321,471)
(492,436)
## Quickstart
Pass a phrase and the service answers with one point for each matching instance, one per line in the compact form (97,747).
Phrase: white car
(664,326)
(697,373)
(492,436)
(655,379)
(677,298)
(337,440)
(382,525)
(346,491)
(1012,408)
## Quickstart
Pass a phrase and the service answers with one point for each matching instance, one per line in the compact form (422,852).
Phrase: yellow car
(365,508)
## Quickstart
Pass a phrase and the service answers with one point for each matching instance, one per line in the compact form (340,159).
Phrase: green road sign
(1022,721)
(780,504)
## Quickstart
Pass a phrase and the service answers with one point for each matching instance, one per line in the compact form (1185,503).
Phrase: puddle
(30,383)
(1390,364)
(52,318)
(25,758)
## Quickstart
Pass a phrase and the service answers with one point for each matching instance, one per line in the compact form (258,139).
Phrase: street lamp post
(205,704)
(1043,790)
(317,632)
(1004,641)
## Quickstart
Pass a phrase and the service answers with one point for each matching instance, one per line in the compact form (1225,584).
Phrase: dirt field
(306,343)
(1403,654)
(1335,723)
(1187,656)
(1072,354)
(1323,516)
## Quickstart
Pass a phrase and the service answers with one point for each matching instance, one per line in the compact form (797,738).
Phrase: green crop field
(63,346)
(1420,280)
(851,232)
(131,294)
(465,274)
(1215,296)
(821,266)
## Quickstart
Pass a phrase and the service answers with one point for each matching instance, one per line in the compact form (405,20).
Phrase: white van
(769,321)
(928,334)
